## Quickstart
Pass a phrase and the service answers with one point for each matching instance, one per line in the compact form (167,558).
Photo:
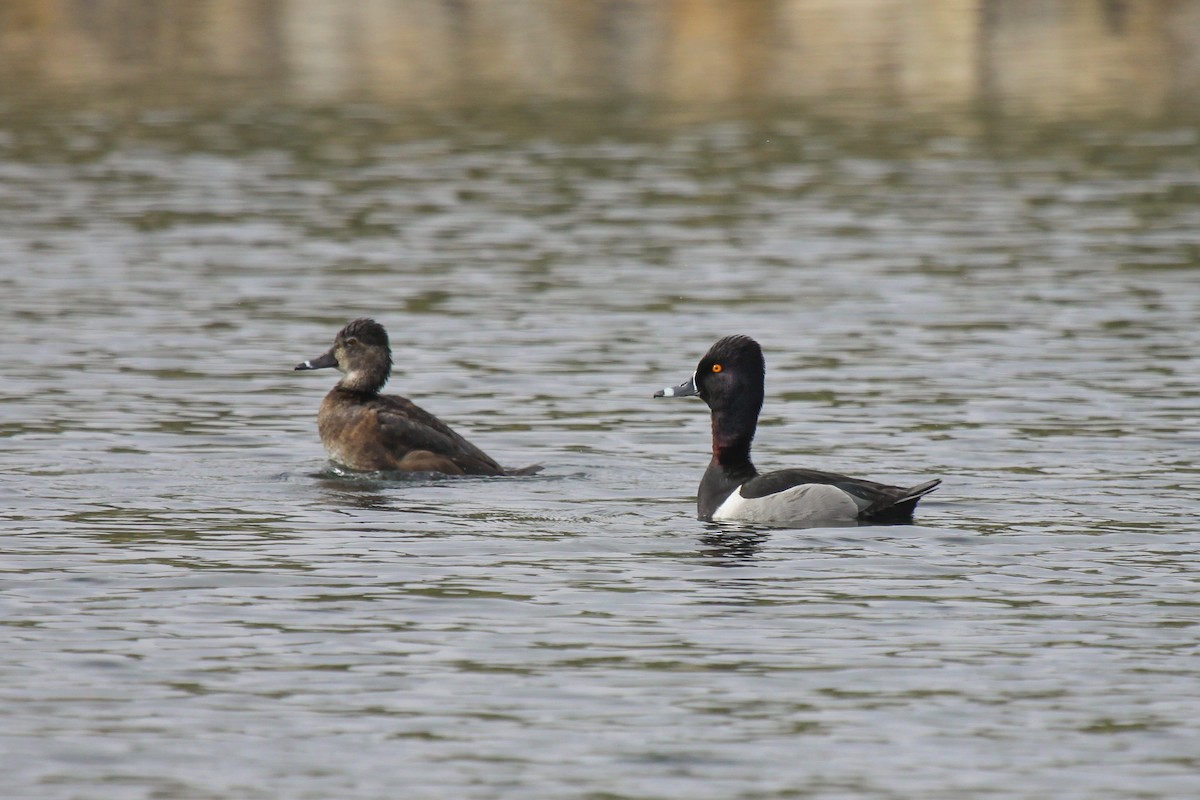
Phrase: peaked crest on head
(738,349)
(367,331)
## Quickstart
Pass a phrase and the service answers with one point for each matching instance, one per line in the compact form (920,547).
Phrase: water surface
(194,606)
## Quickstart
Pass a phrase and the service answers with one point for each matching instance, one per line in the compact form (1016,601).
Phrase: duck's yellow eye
(717,367)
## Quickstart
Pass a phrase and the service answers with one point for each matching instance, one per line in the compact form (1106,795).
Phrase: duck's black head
(361,351)
(730,376)
(730,379)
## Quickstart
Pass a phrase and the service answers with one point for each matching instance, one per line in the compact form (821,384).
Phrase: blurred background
(1046,60)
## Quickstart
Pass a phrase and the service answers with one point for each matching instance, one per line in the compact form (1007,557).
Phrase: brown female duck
(365,430)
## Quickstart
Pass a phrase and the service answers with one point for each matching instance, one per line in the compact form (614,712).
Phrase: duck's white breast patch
(806,503)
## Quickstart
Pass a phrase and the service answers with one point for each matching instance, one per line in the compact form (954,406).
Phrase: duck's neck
(732,433)
(361,382)
(365,372)
(730,466)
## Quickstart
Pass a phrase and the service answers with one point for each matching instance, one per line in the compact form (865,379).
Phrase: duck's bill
(685,389)
(327,360)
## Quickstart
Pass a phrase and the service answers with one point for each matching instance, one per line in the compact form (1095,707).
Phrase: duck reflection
(732,545)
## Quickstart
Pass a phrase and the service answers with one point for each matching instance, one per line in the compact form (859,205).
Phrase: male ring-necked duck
(730,380)
(365,430)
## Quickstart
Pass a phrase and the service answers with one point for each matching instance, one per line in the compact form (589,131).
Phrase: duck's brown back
(389,432)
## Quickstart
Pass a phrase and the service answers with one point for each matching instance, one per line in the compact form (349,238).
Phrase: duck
(730,379)
(366,431)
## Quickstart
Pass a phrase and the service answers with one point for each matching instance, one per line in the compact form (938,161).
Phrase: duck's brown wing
(409,429)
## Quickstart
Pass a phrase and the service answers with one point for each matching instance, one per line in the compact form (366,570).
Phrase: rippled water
(195,607)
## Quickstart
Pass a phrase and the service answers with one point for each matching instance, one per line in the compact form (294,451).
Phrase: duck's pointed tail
(901,508)
(532,469)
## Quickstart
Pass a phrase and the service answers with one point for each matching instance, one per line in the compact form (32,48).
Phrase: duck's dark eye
(352,342)
(717,368)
